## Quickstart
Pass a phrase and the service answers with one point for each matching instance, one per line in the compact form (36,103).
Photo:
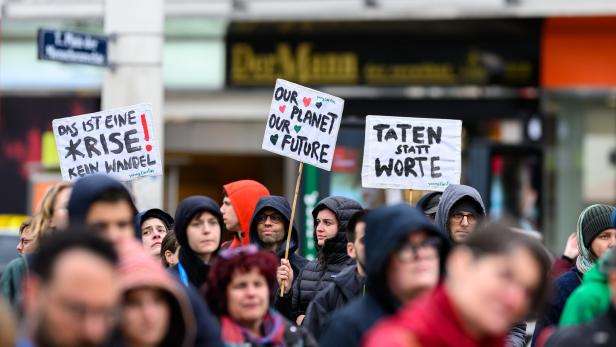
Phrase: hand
(300,319)
(284,275)
(571,248)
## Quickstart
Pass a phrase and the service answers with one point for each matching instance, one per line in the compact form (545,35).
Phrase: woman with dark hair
(169,250)
(198,229)
(493,280)
(240,289)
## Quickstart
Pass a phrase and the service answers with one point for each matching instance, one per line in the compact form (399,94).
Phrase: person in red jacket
(493,279)
(238,205)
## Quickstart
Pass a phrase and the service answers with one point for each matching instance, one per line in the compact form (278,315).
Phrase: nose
(464,220)
(94,329)
(19,247)
(222,209)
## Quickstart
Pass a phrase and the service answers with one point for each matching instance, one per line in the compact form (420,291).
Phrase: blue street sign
(72,47)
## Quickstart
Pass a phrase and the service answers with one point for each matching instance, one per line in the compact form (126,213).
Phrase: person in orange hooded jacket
(238,205)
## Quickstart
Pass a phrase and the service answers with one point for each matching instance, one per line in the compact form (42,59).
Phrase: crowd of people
(94,271)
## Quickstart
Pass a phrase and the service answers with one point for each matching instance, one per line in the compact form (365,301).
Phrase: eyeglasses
(459,216)
(274,217)
(231,253)
(408,250)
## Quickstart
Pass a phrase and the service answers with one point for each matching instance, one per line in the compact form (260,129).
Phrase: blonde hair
(41,221)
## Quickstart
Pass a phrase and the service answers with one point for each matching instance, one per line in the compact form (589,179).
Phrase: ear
(168,255)
(351,250)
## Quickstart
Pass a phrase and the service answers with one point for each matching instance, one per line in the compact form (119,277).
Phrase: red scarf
(432,322)
(273,327)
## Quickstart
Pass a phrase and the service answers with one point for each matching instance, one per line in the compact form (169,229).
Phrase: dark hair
(169,243)
(54,245)
(357,217)
(495,239)
(222,272)
(114,195)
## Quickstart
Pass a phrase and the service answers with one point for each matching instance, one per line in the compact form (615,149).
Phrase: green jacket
(11,283)
(589,300)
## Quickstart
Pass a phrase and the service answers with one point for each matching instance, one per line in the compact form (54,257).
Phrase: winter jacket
(194,267)
(281,205)
(587,301)
(429,321)
(277,332)
(244,196)
(385,228)
(332,258)
(560,266)
(598,332)
(86,190)
(138,270)
(561,290)
(11,283)
(347,286)
(452,194)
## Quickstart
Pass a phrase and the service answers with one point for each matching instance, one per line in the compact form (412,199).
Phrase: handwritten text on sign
(411,153)
(118,142)
(303,124)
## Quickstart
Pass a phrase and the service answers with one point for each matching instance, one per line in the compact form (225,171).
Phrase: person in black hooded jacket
(198,229)
(350,282)
(268,230)
(331,216)
(389,231)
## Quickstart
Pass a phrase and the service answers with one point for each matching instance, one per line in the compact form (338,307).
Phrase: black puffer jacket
(332,257)
(347,285)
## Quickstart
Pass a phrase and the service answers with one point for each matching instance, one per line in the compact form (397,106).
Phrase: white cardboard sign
(303,124)
(411,153)
(120,142)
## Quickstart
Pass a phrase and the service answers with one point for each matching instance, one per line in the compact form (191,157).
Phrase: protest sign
(303,124)
(411,153)
(119,142)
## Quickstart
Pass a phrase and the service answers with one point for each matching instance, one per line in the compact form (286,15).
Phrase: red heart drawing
(281,108)
(307,101)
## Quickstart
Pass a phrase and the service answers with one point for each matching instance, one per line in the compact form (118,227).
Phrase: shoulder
(389,333)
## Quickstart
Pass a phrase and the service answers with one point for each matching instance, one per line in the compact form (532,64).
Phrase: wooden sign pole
(297,184)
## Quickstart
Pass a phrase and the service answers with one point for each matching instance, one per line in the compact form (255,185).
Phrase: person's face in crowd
(114,220)
(229,217)
(604,241)
(414,266)
(172,258)
(356,249)
(26,241)
(146,315)
(271,226)
(494,291)
(153,230)
(461,224)
(326,226)
(247,297)
(203,234)
(78,306)
(59,218)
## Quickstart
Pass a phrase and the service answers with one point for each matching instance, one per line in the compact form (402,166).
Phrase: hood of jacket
(137,270)
(244,195)
(88,189)
(187,209)
(386,227)
(280,204)
(334,249)
(452,194)
(152,213)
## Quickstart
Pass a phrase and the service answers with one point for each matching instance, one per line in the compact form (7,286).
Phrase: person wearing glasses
(241,285)
(404,256)
(459,211)
(493,279)
(268,230)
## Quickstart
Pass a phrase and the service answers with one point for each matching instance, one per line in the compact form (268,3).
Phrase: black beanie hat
(466,204)
(595,220)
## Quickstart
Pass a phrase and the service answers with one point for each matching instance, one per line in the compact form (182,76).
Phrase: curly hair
(41,221)
(222,272)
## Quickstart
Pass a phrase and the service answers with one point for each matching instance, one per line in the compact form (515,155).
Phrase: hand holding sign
(303,124)
(118,142)
(411,153)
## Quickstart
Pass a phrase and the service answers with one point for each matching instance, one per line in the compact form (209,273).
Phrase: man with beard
(71,293)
